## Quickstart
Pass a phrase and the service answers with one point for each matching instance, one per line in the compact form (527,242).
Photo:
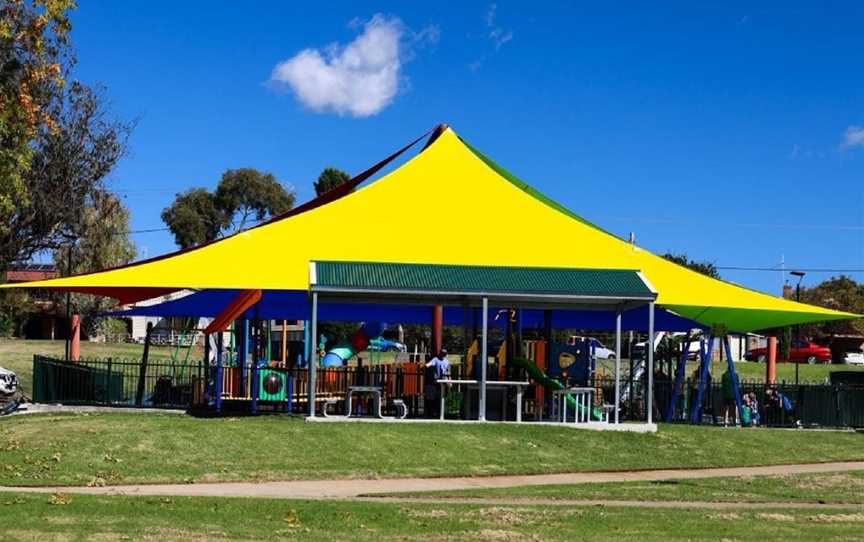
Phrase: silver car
(854,358)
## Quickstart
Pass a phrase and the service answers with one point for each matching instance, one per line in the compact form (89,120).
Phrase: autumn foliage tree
(34,58)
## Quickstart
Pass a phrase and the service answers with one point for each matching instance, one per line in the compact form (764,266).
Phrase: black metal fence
(116,382)
(165,384)
(780,405)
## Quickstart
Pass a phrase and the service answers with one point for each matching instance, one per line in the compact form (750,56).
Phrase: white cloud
(498,35)
(359,79)
(853,137)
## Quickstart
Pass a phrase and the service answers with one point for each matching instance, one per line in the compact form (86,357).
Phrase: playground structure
(604,284)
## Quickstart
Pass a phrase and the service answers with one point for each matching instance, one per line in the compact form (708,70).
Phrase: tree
(329,179)
(15,308)
(194,218)
(68,168)
(34,59)
(706,268)
(103,242)
(839,293)
(246,193)
(198,216)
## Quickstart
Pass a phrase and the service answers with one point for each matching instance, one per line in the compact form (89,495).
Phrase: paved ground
(43,408)
(350,489)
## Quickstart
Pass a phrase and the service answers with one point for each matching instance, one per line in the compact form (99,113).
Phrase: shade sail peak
(447,205)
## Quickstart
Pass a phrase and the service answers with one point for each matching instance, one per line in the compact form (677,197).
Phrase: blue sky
(730,131)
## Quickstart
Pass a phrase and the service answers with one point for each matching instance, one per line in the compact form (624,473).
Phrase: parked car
(8,383)
(799,351)
(638,352)
(854,358)
(600,350)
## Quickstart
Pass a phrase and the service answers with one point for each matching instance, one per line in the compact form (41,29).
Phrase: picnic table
(519,385)
(584,398)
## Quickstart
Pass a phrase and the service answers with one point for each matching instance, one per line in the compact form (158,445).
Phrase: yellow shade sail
(446,205)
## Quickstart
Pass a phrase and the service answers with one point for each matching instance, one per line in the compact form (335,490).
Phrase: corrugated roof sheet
(469,278)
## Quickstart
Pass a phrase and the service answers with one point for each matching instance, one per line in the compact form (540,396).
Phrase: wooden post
(75,345)
(437,329)
(142,372)
(771,362)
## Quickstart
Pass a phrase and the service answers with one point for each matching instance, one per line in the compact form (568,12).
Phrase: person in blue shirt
(437,368)
(440,364)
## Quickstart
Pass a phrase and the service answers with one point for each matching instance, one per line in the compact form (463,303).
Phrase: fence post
(108,384)
(142,372)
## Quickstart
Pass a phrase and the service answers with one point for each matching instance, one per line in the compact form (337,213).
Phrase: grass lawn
(83,518)
(831,488)
(118,448)
(753,371)
(17,355)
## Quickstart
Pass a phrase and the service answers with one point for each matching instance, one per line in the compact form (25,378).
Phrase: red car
(800,351)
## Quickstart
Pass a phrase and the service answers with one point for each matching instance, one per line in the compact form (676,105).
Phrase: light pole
(69,307)
(800,275)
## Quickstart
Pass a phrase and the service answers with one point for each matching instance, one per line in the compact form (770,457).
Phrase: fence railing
(116,382)
(165,384)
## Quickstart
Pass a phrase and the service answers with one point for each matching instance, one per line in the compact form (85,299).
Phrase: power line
(789,268)
(797,226)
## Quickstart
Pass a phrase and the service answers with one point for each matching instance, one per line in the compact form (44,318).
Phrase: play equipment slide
(550,383)
(357,342)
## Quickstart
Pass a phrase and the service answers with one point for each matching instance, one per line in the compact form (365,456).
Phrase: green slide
(551,384)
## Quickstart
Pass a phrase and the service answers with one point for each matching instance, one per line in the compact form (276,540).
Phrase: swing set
(706,349)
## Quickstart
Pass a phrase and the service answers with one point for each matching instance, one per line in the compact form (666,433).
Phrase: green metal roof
(467,279)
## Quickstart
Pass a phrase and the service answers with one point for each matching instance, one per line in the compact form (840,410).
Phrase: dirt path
(348,489)
(516,501)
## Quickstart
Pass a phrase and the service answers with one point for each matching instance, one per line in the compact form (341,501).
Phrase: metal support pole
(242,352)
(650,362)
(739,402)
(704,372)
(313,359)
(617,365)
(484,360)
(142,371)
(219,389)
(680,376)
(256,357)
(69,306)
(308,342)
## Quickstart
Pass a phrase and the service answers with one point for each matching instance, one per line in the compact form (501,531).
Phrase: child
(754,409)
(746,418)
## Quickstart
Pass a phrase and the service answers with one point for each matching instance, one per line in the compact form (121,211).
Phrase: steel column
(313,360)
(650,362)
(617,365)
(484,360)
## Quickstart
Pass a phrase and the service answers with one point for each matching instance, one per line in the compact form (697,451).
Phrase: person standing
(727,383)
(437,368)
